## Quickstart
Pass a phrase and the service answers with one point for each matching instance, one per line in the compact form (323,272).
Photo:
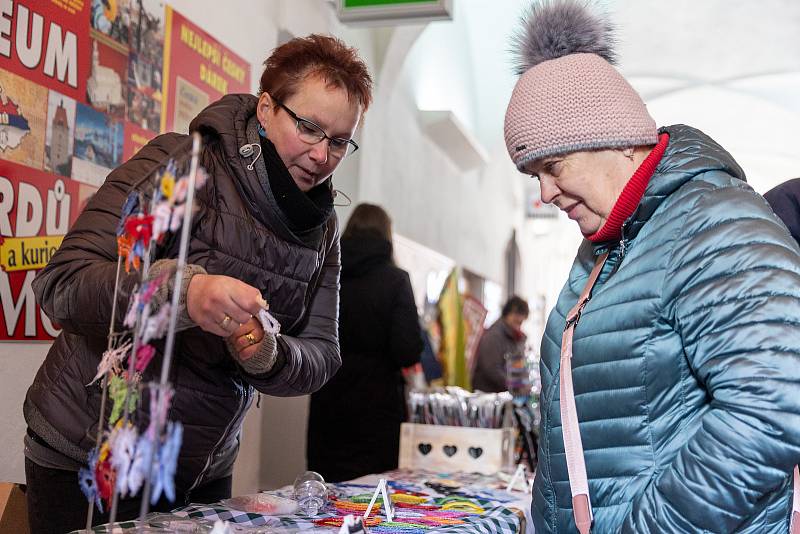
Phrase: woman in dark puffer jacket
(265,230)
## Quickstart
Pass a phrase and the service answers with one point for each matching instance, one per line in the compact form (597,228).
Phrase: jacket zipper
(233,421)
(623,249)
(623,243)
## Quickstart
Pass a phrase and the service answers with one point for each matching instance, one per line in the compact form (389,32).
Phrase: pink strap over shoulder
(794,525)
(573,446)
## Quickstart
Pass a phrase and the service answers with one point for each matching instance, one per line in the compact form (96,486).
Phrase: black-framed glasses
(312,133)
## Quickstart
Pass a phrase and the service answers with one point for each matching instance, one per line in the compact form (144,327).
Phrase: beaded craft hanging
(125,460)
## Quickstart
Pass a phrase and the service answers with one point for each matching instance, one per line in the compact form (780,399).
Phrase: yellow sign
(28,253)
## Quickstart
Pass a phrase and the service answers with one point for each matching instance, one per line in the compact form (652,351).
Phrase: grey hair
(551,29)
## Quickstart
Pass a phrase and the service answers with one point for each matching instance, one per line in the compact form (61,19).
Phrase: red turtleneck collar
(631,195)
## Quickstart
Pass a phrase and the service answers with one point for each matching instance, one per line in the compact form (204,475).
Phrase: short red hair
(316,55)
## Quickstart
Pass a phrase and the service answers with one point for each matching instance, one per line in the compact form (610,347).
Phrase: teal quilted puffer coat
(686,361)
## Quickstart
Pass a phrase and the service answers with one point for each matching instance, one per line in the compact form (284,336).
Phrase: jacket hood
(690,152)
(226,120)
(362,254)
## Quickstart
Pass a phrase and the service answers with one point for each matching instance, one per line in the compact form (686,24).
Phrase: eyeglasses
(312,133)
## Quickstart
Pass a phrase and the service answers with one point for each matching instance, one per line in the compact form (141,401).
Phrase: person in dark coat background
(503,337)
(354,421)
(785,202)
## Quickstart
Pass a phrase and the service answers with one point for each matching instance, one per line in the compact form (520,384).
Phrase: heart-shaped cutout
(425,448)
(475,452)
(450,450)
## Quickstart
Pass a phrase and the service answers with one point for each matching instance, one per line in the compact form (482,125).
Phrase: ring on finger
(225,322)
(251,339)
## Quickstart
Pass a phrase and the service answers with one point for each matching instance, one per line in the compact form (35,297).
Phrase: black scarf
(305,211)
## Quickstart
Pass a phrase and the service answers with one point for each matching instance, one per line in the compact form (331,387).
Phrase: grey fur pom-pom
(555,28)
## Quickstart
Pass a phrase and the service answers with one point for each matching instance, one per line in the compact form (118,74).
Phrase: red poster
(198,70)
(47,42)
(36,210)
(84,84)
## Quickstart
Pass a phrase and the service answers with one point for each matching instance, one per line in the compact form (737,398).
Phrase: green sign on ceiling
(368,3)
(392,12)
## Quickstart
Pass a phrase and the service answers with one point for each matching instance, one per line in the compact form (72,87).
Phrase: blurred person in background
(503,337)
(354,420)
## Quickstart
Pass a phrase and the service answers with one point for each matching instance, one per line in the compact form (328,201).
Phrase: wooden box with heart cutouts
(456,448)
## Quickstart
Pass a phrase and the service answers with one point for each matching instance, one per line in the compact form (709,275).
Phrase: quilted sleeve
(732,292)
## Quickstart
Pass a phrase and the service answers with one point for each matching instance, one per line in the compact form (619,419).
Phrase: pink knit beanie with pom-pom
(570,97)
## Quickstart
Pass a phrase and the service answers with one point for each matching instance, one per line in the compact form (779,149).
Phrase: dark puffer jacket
(784,199)
(238,231)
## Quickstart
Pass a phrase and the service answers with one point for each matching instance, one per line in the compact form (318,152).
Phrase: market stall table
(424,502)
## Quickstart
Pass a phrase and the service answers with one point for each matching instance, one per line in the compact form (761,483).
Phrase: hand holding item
(221,304)
(246,339)
(254,344)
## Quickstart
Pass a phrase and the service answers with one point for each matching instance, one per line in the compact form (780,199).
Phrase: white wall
(467,216)
(18,365)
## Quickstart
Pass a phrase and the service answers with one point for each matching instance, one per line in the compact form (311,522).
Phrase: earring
(336,193)
(261,131)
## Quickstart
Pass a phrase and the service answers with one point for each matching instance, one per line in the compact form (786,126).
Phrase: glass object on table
(262,503)
(310,492)
(180,524)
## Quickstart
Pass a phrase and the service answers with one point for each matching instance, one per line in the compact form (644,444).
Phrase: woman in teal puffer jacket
(682,373)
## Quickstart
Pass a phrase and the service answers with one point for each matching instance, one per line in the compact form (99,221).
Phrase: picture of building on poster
(135,30)
(98,145)
(106,87)
(144,95)
(22,121)
(60,134)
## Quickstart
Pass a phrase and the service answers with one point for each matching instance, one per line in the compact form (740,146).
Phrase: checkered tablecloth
(497,520)
(502,511)
(500,515)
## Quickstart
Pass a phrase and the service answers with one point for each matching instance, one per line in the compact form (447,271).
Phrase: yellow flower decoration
(167,185)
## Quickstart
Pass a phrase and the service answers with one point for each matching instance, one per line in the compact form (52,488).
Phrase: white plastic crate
(456,448)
